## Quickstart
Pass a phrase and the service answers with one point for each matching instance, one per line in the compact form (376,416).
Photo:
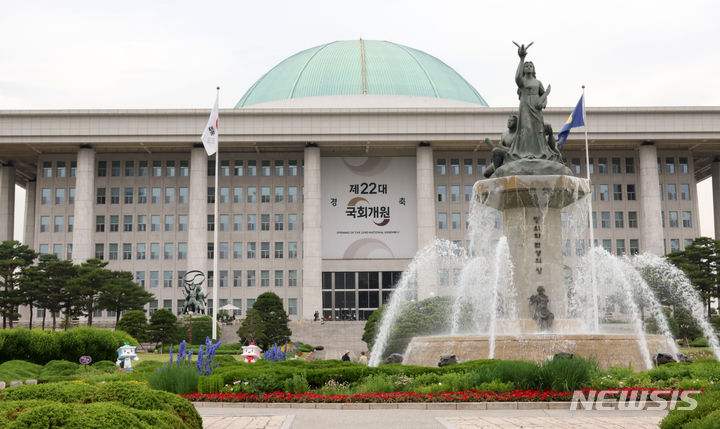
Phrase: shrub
(699,342)
(134,322)
(174,379)
(263,383)
(58,392)
(201,328)
(266,323)
(566,374)
(297,384)
(18,370)
(210,384)
(708,402)
(57,370)
(379,383)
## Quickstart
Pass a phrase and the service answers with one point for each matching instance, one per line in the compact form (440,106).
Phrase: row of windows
(142,252)
(278,222)
(180,195)
(46,196)
(237,302)
(61,168)
(673,219)
(619,220)
(57,250)
(604,192)
(169,225)
(250,279)
(58,223)
(172,168)
(671,189)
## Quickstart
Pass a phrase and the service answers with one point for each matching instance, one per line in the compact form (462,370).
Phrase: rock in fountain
(531,298)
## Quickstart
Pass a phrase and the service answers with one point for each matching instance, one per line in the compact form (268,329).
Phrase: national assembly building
(335,168)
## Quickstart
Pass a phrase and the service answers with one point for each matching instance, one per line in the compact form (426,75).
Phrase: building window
(292,250)
(456,221)
(687,219)
(71,196)
(99,224)
(224,195)
(155,223)
(671,192)
(154,250)
(250,280)
(292,194)
(223,251)
(467,166)
(237,222)
(619,220)
(142,168)
(127,251)
(127,223)
(604,193)
(224,222)
(44,223)
(237,279)
(632,220)
(454,166)
(237,250)
(140,278)
(157,168)
(225,168)
(182,251)
(673,219)
(237,195)
(102,168)
(670,165)
(683,165)
(279,222)
(211,222)
(279,249)
(629,165)
(114,223)
(264,278)
(605,219)
(265,250)
(154,279)
(265,194)
(251,222)
(113,251)
(168,251)
(292,278)
(279,278)
(251,249)
(607,245)
(265,168)
(602,166)
(292,307)
(129,168)
(211,195)
(292,168)
(620,247)
(264,222)
(252,194)
(292,222)
(71,223)
(142,223)
(616,166)
(114,195)
(140,249)
(440,166)
(455,194)
(252,167)
(441,194)
(115,169)
(279,194)
(58,223)
(211,250)
(99,196)
(47,169)
(442,220)
(684,191)
(142,195)
(630,192)
(238,168)
(99,251)
(634,246)
(467,192)
(279,168)
(224,275)
(617,192)
(674,245)
(182,223)
(481,166)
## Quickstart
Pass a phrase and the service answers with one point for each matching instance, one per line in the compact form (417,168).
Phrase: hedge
(80,405)
(41,347)
(708,403)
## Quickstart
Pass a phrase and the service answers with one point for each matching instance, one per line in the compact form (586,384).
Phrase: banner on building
(369,208)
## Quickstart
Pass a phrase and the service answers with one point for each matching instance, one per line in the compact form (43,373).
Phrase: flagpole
(216,250)
(596,322)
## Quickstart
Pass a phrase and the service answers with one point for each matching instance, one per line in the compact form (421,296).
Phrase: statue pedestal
(531,207)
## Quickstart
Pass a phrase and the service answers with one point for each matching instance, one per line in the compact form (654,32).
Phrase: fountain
(525,287)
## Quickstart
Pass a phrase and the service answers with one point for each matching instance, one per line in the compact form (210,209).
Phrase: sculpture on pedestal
(532,148)
(540,311)
(195,297)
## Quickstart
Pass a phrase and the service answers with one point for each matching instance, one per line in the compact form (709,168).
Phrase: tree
(266,323)
(122,293)
(163,327)
(52,277)
(134,323)
(14,257)
(30,291)
(700,262)
(684,325)
(92,277)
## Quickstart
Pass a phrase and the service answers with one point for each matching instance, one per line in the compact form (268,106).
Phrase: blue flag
(576,119)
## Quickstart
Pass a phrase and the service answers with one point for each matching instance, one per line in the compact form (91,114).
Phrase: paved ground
(298,418)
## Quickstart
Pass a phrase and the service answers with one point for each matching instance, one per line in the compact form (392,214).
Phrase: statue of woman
(530,142)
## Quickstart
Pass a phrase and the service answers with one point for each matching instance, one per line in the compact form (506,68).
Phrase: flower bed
(396,397)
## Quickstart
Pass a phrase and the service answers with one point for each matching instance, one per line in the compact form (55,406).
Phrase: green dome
(356,67)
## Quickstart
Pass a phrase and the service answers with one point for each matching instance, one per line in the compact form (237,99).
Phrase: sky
(172,54)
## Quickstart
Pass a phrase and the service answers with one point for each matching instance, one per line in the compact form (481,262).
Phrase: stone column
(30,195)
(650,223)
(312,236)
(425,212)
(84,211)
(7,202)
(716,195)
(197,216)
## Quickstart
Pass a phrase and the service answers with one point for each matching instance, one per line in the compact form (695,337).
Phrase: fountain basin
(608,349)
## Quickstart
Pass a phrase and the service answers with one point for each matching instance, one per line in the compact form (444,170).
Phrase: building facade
(135,187)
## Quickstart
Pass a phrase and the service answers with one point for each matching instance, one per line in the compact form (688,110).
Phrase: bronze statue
(194,296)
(539,307)
(532,148)
(498,153)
